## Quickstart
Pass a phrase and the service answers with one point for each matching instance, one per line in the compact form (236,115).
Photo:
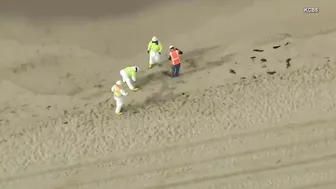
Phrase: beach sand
(254,106)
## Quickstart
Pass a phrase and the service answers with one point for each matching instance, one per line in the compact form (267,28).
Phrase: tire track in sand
(200,168)
(317,173)
(329,184)
(196,181)
(123,168)
(170,148)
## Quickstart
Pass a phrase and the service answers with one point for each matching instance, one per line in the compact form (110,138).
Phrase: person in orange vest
(174,57)
(118,96)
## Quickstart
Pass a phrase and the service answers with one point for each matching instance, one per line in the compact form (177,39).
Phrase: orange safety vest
(175,57)
(117,92)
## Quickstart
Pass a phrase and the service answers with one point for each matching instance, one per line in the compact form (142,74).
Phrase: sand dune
(254,106)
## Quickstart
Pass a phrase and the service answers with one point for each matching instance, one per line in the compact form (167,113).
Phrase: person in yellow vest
(154,50)
(118,96)
(128,75)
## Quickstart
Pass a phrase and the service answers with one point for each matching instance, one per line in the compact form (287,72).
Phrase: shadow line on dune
(41,9)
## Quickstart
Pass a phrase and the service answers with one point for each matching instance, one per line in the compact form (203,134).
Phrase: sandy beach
(254,106)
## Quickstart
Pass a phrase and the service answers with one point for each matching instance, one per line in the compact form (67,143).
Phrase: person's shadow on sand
(163,72)
(163,75)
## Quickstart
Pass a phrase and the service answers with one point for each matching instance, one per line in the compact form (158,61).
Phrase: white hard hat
(119,82)
(154,38)
(171,46)
(136,68)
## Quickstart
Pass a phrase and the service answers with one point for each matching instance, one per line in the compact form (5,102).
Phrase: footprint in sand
(276,47)
(288,64)
(232,71)
(263,60)
(271,72)
(258,50)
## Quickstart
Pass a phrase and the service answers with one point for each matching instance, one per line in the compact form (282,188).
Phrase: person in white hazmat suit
(154,50)
(128,75)
(119,94)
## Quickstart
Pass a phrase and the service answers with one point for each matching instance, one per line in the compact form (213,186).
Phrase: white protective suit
(127,79)
(118,97)
(154,51)
(154,57)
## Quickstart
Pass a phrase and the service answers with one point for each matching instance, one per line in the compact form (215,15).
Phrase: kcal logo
(310,10)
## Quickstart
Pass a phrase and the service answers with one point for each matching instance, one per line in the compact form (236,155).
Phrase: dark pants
(176,70)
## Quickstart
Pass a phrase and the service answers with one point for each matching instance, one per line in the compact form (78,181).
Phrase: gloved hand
(159,53)
(148,51)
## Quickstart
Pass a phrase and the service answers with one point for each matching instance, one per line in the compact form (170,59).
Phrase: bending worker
(174,57)
(118,96)
(129,73)
(154,50)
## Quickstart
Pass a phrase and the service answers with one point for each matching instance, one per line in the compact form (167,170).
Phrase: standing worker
(129,73)
(154,50)
(174,57)
(118,96)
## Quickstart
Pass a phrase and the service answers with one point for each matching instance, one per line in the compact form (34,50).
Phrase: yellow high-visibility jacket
(154,47)
(131,73)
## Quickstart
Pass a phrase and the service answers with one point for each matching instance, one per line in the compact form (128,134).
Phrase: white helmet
(136,68)
(171,46)
(155,38)
(119,82)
